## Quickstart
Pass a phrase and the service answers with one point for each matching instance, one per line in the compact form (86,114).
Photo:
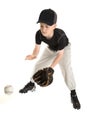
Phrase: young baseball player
(58,51)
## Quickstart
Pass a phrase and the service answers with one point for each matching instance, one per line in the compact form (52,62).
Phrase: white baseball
(8,89)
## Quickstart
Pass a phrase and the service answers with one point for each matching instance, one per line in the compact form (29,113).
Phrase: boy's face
(47,30)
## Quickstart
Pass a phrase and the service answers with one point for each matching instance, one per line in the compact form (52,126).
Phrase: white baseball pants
(65,64)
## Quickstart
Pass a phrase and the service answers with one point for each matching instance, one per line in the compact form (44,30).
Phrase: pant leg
(65,65)
(45,60)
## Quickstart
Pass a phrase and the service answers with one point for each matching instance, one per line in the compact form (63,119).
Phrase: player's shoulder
(38,32)
(59,31)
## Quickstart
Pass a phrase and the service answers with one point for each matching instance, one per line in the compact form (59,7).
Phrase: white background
(46,108)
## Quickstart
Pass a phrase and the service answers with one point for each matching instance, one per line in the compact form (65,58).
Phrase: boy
(56,52)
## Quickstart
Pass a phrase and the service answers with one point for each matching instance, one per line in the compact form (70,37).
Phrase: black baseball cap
(47,16)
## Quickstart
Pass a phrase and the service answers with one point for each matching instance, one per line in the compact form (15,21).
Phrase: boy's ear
(55,26)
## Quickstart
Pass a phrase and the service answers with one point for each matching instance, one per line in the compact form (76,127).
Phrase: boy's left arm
(57,59)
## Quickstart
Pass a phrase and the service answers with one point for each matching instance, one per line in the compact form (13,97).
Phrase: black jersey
(58,42)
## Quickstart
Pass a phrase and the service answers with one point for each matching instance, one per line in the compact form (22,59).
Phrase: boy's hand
(30,57)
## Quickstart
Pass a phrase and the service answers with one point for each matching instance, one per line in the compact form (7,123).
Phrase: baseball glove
(44,77)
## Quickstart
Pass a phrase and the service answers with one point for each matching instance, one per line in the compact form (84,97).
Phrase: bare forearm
(34,53)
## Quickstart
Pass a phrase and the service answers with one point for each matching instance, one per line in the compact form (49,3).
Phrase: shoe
(75,101)
(29,86)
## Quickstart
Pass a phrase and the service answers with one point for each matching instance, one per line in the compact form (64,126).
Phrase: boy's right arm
(34,54)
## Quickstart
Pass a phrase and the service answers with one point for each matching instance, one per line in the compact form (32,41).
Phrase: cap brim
(50,24)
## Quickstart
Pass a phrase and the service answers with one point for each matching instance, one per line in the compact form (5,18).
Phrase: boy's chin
(44,35)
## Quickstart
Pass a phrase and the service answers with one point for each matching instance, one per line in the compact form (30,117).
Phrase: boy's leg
(65,65)
(43,62)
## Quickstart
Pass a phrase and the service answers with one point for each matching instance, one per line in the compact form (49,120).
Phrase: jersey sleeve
(63,42)
(38,37)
